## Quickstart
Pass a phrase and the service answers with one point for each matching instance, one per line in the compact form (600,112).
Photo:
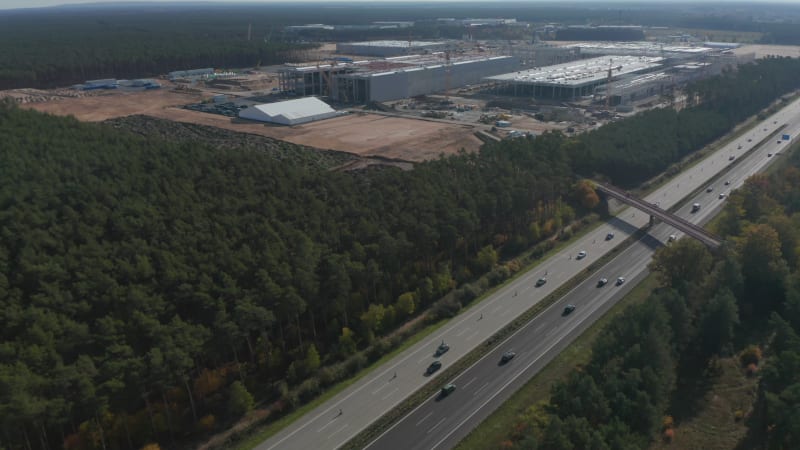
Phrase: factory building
(392,78)
(389,48)
(573,79)
(641,48)
(290,112)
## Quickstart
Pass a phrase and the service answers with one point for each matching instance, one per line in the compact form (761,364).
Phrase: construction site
(411,100)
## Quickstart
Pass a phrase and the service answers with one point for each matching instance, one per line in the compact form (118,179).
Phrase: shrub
(750,355)
(667,423)
(240,402)
(738,415)
(668,435)
(206,423)
(751,370)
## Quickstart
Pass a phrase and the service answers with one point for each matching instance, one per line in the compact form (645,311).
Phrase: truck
(695,207)
(785,137)
(502,123)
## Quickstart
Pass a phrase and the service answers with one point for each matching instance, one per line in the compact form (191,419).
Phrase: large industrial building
(290,112)
(641,48)
(573,79)
(389,48)
(392,78)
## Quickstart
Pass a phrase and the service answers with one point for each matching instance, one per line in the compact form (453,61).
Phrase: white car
(581,255)
(722,195)
(620,280)
(672,237)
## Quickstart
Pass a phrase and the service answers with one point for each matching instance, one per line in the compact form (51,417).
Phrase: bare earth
(362,134)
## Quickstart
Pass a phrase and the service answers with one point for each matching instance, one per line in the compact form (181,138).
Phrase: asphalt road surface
(441,422)
(340,418)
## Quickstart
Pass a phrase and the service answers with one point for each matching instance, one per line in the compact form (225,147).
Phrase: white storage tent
(290,112)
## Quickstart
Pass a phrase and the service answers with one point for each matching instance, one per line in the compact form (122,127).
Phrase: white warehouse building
(290,112)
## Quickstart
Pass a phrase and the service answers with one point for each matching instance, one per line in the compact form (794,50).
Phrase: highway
(440,423)
(385,387)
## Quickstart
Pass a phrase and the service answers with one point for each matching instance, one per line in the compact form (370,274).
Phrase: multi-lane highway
(346,414)
(440,423)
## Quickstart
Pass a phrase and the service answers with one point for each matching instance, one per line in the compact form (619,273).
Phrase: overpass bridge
(655,212)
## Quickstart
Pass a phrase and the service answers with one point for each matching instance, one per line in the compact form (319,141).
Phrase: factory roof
(406,63)
(582,72)
(400,44)
(641,47)
(290,112)
(640,80)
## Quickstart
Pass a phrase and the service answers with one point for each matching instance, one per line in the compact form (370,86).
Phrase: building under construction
(392,78)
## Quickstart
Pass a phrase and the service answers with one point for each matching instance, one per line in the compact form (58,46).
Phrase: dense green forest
(647,367)
(140,277)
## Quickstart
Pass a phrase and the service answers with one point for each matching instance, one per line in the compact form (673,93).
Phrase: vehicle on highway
(769,155)
(721,195)
(731,158)
(507,356)
(710,189)
(581,255)
(541,281)
(695,207)
(740,146)
(727,183)
(749,140)
(436,365)
(672,238)
(779,141)
(620,280)
(448,389)
(602,282)
(442,349)
(568,309)
(609,236)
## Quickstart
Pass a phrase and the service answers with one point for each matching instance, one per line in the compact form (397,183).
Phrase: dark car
(507,356)
(448,389)
(436,365)
(442,349)
(609,236)
(620,280)
(541,281)
(568,309)
(602,282)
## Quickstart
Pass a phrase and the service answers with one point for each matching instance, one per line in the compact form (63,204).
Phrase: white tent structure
(290,112)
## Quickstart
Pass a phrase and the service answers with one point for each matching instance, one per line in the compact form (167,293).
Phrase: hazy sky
(12,4)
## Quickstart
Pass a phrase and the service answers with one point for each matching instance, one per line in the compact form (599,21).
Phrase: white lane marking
(379,389)
(497,308)
(470,382)
(461,333)
(437,424)
(390,394)
(340,429)
(424,358)
(478,391)
(326,425)
(472,336)
(550,333)
(424,419)
(505,313)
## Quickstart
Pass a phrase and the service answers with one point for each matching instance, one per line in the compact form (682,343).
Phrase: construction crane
(608,85)
(447,69)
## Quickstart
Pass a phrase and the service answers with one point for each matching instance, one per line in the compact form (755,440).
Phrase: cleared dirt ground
(362,134)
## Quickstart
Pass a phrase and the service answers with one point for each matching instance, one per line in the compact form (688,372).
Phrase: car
(541,281)
(672,238)
(749,140)
(442,349)
(448,389)
(507,356)
(739,147)
(731,158)
(436,365)
(620,280)
(581,255)
(721,195)
(609,236)
(710,189)
(727,183)
(568,309)
(602,282)
(779,141)
(769,155)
